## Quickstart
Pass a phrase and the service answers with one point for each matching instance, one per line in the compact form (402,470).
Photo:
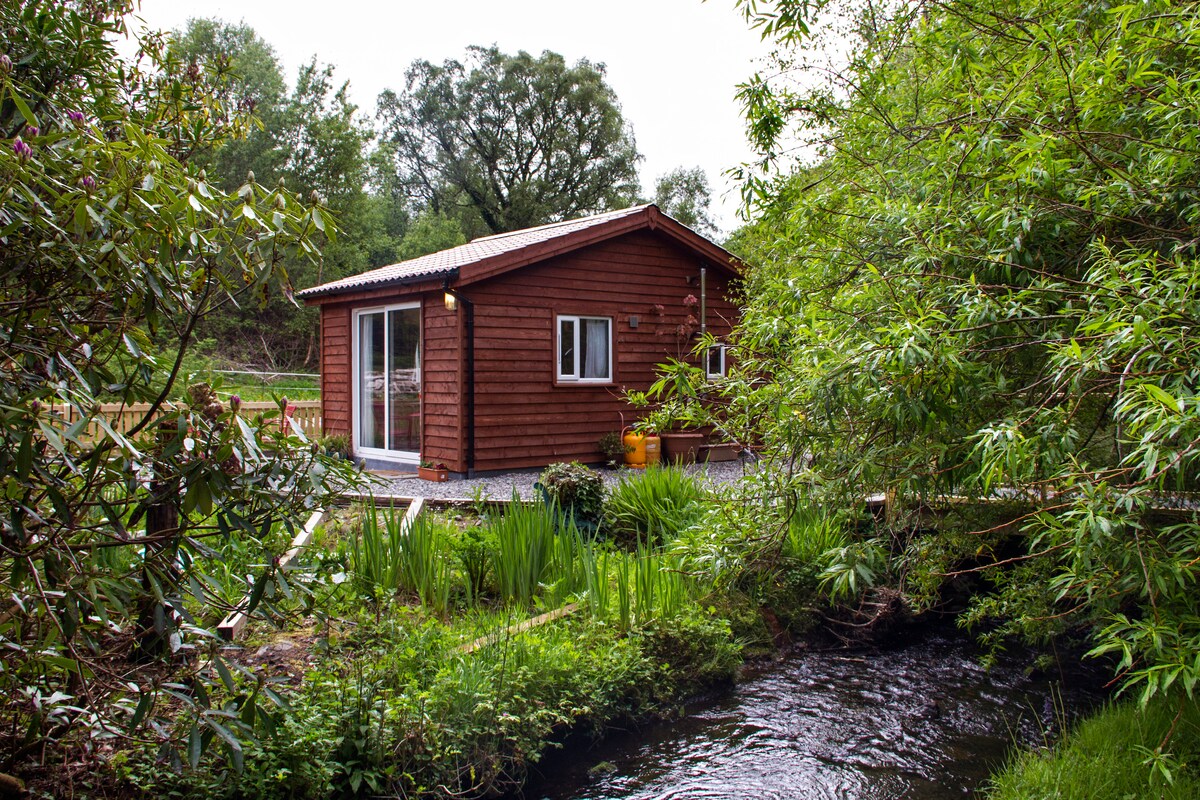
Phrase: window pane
(716,360)
(404,379)
(566,348)
(371,380)
(595,349)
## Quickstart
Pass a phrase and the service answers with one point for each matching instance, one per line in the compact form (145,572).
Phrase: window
(585,349)
(714,361)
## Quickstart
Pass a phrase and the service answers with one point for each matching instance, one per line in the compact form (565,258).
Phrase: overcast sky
(674,64)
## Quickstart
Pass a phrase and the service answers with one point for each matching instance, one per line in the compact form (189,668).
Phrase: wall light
(451,301)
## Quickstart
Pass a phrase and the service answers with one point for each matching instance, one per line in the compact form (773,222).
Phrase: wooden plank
(236,620)
(520,627)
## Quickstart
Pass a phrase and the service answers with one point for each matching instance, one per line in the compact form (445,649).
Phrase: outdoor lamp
(451,301)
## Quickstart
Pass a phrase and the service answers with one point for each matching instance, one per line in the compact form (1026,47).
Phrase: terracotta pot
(713,453)
(433,474)
(680,447)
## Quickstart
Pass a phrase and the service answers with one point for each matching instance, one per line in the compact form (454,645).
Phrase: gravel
(500,486)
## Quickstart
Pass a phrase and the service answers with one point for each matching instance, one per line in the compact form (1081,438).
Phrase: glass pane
(566,348)
(595,349)
(716,360)
(371,383)
(404,378)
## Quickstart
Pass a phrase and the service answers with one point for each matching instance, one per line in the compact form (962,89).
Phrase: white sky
(674,64)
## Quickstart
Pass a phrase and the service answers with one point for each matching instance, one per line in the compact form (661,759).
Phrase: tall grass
(1114,755)
(523,547)
(425,561)
(636,588)
(653,505)
(811,535)
(375,553)
(385,558)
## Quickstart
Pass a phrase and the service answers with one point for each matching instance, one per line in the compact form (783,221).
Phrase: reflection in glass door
(389,375)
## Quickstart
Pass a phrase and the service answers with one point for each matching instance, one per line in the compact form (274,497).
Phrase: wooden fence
(121,418)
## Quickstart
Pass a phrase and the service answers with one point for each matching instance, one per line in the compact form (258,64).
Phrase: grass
(653,505)
(1112,756)
(520,560)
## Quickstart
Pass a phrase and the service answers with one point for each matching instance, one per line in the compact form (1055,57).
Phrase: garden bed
(441,652)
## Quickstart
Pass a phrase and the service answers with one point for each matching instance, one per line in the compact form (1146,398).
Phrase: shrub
(576,490)
(653,505)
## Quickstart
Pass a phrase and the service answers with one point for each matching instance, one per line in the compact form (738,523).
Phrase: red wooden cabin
(514,350)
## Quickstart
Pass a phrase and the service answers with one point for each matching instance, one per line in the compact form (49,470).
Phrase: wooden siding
(522,418)
(441,394)
(336,349)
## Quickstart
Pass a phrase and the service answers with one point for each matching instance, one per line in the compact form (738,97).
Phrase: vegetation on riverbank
(1125,752)
(421,675)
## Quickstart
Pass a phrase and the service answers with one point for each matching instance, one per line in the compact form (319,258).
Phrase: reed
(425,560)
(655,505)
(523,547)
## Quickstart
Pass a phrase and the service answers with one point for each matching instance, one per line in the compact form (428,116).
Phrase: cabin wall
(522,417)
(336,348)
(442,402)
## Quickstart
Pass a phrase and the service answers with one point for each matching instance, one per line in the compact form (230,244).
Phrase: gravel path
(500,487)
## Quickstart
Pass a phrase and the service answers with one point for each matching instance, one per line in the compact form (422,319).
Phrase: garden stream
(924,720)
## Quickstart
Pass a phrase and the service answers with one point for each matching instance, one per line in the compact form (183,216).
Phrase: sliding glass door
(388,380)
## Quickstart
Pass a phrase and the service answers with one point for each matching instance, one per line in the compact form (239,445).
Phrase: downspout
(469,377)
(703,300)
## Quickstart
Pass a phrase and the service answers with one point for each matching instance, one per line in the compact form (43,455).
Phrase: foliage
(394,710)
(430,232)
(508,142)
(108,236)
(684,195)
(613,446)
(654,504)
(1107,757)
(983,284)
(309,136)
(577,491)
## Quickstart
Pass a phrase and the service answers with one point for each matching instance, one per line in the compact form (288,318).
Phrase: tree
(508,142)
(985,286)
(248,71)
(430,233)
(108,236)
(309,136)
(685,195)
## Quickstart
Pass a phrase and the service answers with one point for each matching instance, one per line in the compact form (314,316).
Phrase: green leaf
(22,107)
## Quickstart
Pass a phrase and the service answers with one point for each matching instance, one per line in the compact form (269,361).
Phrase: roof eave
(318,295)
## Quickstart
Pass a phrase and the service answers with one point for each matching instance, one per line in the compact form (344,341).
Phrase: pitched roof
(490,254)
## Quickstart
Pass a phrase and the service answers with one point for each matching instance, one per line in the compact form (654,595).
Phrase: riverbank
(1121,753)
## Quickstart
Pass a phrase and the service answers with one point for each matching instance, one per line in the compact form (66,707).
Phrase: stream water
(923,721)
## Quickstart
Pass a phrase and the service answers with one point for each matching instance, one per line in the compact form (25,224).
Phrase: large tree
(308,135)
(685,195)
(986,284)
(508,142)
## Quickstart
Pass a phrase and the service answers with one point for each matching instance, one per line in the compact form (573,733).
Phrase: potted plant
(614,449)
(433,472)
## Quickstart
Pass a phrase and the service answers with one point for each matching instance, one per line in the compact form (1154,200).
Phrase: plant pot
(681,448)
(713,453)
(433,474)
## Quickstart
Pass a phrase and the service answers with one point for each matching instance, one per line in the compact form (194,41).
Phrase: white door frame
(383,454)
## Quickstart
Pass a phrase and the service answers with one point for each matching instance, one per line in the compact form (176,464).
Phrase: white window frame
(578,319)
(708,373)
(382,454)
